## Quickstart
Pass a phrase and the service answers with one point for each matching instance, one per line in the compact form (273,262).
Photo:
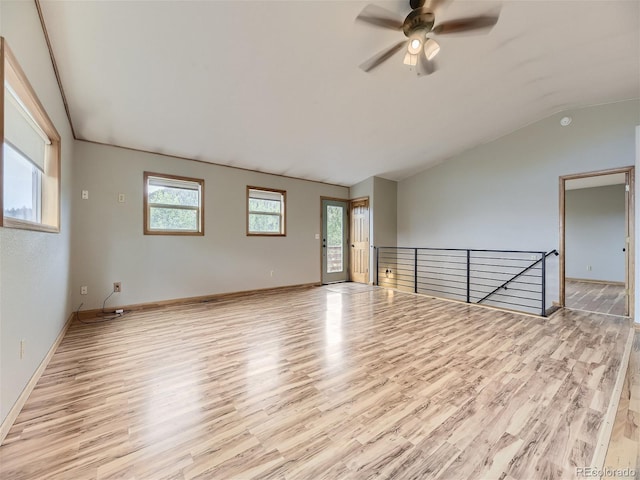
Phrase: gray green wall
(595,233)
(504,194)
(383,209)
(109,245)
(34,273)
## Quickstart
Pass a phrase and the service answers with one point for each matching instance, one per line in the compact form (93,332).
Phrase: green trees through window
(265,211)
(173,205)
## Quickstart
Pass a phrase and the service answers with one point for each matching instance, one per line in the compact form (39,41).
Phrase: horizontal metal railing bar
(475,270)
(400,265)
(439,291)
(464,250)
(475,264)
(484,292)
(440,264)
(445,265)
(500,276)
(403,278)
(519,282)
(449,277)
(436,281)
(443,270)
(422,258)
(400,284)
(427,286)
(449,262)
(496,279)
(482,257)
(446,255)
(438,273)
(507,269)
(443,286)
(521,297)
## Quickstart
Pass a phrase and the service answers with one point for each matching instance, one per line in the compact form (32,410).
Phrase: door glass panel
(335,253)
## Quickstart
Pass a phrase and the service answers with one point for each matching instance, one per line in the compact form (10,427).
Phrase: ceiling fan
(419,27)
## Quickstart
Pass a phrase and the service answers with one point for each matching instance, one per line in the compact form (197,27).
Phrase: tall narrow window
(266,211)
(173,205)
(30,156)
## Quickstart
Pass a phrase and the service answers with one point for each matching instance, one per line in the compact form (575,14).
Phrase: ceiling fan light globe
(410,59)
(414,46)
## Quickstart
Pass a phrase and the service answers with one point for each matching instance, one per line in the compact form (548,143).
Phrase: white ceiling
(274,86)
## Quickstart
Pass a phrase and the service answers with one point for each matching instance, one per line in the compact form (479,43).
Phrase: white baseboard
(22,399)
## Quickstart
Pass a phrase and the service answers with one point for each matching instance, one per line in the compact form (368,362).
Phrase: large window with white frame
(173,205)
(266,211)
(30,155)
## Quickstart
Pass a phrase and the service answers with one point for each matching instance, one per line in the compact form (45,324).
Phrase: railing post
(377,266)
(415,270)
(544,285)
(468,276)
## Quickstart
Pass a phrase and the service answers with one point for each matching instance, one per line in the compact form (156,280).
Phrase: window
(173,205)
(30,155)
(265,211)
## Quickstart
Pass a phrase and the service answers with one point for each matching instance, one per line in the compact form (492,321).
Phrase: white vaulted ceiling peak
(274,86)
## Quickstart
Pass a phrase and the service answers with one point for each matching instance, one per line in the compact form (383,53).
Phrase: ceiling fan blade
(377,59)
(463,25)
(380,17)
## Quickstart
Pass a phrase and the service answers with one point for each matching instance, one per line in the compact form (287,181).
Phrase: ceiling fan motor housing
(418,19)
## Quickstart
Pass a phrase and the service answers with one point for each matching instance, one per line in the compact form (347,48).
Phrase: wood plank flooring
(624,448)
(595,297)
(336,382)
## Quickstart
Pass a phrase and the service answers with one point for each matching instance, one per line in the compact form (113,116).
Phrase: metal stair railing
(510,279)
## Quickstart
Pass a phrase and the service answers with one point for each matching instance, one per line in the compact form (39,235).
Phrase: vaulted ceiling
(274,86)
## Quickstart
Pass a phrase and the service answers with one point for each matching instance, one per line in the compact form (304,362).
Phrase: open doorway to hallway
(596,211)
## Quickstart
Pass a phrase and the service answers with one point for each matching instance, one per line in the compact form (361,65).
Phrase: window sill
(181,234)
(9,222)
(266,234)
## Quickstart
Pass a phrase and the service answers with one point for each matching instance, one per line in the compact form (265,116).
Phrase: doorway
(597,241)
(359,235)
(335,254)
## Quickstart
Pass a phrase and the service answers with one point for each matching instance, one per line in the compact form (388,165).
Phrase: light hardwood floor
(624,448)
(595,297)
(341,381)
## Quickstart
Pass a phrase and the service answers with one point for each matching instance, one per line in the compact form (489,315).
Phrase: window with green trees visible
(173,205)
(266,211)
(29,154)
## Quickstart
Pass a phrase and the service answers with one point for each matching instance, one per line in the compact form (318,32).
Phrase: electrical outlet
(85,194)
(588,268)
(121,198)
(117,287)
(22,342)
(83,290)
